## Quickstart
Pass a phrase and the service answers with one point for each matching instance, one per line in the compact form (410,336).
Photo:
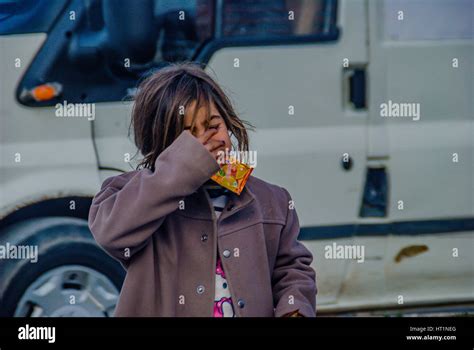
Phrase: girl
(190,247)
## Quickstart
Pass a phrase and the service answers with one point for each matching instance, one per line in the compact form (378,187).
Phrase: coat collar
(198,205)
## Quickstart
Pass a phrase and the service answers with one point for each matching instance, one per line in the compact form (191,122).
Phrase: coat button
(226,253)
(241,303)
(200,289)
(204,238)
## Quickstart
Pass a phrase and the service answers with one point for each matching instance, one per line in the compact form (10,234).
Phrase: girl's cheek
(227,140)
(222,134)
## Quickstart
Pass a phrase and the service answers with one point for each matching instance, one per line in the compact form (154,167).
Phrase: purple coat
(161,226)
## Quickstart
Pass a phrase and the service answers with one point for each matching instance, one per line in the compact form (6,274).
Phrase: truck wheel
(72,277)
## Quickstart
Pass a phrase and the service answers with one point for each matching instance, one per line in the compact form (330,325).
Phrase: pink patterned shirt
(223,306)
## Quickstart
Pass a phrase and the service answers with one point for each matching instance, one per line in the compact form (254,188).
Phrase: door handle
(356,88)
(375,198)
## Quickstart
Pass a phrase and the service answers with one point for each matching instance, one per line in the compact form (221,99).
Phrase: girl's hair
(157,114)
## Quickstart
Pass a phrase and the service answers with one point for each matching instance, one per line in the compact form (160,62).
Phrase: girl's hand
(213,146)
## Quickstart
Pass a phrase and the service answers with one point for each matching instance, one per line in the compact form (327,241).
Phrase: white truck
(363,111)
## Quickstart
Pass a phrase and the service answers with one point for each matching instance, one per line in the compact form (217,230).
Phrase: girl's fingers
(213,145)
(204,138)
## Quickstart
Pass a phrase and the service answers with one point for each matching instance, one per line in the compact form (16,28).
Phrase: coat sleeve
(124,214)
(293,279)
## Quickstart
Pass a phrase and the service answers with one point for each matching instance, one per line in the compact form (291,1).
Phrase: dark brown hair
(156,119)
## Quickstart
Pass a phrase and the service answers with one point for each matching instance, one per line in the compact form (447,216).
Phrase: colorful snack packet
(233,176)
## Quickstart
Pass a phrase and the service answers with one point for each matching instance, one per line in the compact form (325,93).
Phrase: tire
(72,277)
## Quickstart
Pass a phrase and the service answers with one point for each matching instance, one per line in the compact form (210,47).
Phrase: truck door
(421,57)
(302,84)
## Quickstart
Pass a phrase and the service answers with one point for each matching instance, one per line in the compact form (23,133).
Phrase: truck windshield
(28,16)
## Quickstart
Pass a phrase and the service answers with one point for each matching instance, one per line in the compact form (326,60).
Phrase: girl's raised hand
(212,146)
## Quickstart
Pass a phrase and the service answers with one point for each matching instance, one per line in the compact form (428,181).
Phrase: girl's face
(201,125)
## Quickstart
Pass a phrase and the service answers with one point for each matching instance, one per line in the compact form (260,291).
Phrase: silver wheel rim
(69,291)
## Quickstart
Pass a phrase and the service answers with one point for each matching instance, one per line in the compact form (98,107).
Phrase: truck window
(184,27)
(28,16)
(267,18)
